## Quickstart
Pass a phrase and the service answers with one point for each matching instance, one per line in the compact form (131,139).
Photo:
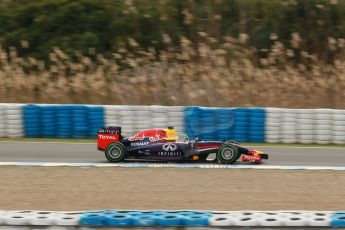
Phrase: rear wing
(106,136)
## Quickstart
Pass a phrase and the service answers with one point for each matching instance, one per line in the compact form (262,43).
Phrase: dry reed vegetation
(213,72)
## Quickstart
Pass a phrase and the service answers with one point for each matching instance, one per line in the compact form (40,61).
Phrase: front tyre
(115,152)
(227,153)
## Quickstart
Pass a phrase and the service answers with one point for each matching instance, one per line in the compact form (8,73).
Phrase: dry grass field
(213,72)
(64,188)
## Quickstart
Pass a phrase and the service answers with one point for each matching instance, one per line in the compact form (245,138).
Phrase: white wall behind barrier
(135,118)
(11,121)
(305,126)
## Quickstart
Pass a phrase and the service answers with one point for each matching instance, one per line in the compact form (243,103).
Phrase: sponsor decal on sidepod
(170,153)
(169,147)
(169,150)
(140,143)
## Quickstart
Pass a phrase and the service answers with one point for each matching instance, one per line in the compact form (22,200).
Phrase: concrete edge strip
(171,218)
(171,165)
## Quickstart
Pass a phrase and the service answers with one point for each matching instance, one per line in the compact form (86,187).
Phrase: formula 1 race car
(165,145)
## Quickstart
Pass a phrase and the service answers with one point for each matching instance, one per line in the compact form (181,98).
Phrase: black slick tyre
(227,153)
(232,142)
(115,152)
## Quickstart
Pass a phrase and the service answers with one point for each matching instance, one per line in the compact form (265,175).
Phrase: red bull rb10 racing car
(165,145)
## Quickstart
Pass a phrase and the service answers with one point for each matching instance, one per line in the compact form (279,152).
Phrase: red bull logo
(152,134)
(137,137)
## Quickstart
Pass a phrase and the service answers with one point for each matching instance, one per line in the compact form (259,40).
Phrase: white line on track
(170,165)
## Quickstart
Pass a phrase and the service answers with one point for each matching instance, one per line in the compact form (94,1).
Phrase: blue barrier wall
(240,124)
(271,125)
(62,121)
(32,121)
(83,121)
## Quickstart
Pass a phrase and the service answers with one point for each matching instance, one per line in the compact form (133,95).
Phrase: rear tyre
(227,153)
(115,152)
(232,142)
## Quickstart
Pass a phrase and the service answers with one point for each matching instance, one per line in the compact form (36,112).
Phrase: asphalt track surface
(87,153)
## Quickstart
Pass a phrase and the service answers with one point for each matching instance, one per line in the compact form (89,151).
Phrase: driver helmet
(183,137)
(171,134)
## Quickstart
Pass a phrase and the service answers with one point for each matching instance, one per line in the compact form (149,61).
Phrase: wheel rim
(227,153)
(114,152)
